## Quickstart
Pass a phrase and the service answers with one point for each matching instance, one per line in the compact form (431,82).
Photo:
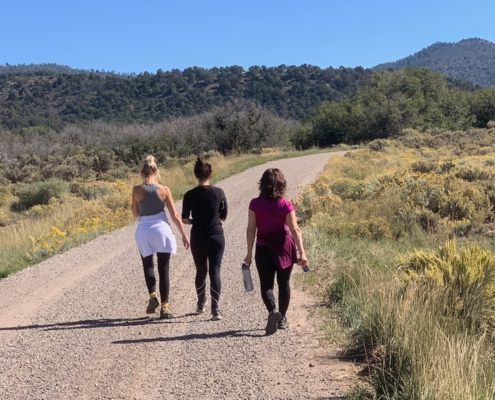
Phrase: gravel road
(74,326)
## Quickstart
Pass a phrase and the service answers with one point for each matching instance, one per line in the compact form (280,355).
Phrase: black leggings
(267,268)
(208,252)
(163,273)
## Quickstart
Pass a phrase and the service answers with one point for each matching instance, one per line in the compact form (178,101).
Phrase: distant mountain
(470,59)
(55,68)
(54,95)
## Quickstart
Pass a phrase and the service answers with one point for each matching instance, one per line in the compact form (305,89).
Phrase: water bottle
(246,275)
(306,268)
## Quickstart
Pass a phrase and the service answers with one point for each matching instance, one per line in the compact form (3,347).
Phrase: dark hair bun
(202,169)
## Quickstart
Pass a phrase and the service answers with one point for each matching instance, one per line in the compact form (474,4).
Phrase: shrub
(342,187)
(462,227)
(302,137)
(210,154)
(116,202)
(4,219)
(466,276)
(90,191)
(490,124)
(428,220)
(102,162)
(375,228)
(423,166)
(456,208)
(378,145)
(447,166)
(39,211)
(65,172)
(472,174)
(40,193)
(5,194)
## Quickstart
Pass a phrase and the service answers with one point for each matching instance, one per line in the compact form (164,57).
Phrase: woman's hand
(302,261)
(248,259)
(185,241)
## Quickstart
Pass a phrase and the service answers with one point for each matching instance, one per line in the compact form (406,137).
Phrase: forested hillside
(53,99)
(56,68)
(391,101)
(469,59)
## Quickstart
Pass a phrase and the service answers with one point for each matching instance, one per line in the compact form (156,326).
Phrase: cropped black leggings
(207,254)
(267,268)
(163,273)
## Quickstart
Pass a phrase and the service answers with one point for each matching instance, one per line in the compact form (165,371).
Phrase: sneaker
(201,307)
(165,312)
(216,315)
(152,305)
(283,324)
(273,319)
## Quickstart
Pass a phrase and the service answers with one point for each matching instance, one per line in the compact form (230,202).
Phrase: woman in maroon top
(273,220)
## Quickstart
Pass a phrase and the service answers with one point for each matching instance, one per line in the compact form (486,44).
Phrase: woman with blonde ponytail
(153,233)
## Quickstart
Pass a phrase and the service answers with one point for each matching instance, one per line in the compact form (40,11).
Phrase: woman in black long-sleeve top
(207,206)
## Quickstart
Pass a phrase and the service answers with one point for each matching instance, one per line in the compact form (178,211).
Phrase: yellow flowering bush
(88,219)
(48,244)
(39,211)
(387,193)
(57,239)
(465,275)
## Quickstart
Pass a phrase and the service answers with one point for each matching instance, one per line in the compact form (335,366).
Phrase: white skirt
(153,235)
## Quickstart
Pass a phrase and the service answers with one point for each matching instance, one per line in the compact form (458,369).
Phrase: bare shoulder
(137,189)
(163,191)
(163,188)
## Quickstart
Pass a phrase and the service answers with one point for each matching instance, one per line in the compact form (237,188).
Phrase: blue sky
(145,35)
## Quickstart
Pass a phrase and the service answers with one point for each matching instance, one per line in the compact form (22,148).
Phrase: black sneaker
(273,319)
(152,305)
(201,307)
(216,315)
(283,324)
(165,313)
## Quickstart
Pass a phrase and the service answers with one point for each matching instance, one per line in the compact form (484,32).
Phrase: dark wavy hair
(272,184)
(202,169)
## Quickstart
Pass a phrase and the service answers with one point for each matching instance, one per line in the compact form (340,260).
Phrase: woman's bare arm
(169,201)
(135,208)
(250,236)
(291,222)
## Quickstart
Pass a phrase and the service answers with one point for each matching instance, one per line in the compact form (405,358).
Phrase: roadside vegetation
(43,218)
(402,238)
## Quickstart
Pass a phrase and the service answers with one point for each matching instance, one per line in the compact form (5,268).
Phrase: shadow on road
(100,323)
(217,335)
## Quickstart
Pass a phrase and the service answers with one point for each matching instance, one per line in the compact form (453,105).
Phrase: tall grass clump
(414,348)
(407,227)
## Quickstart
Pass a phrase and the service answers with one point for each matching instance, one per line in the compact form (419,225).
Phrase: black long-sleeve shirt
(208,206)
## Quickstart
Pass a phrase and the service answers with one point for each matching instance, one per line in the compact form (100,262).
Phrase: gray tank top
(151,203)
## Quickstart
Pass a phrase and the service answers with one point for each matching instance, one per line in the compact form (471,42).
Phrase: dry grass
(415,350)
(371,207)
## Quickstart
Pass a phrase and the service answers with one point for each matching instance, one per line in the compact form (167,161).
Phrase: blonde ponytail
(149,167)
